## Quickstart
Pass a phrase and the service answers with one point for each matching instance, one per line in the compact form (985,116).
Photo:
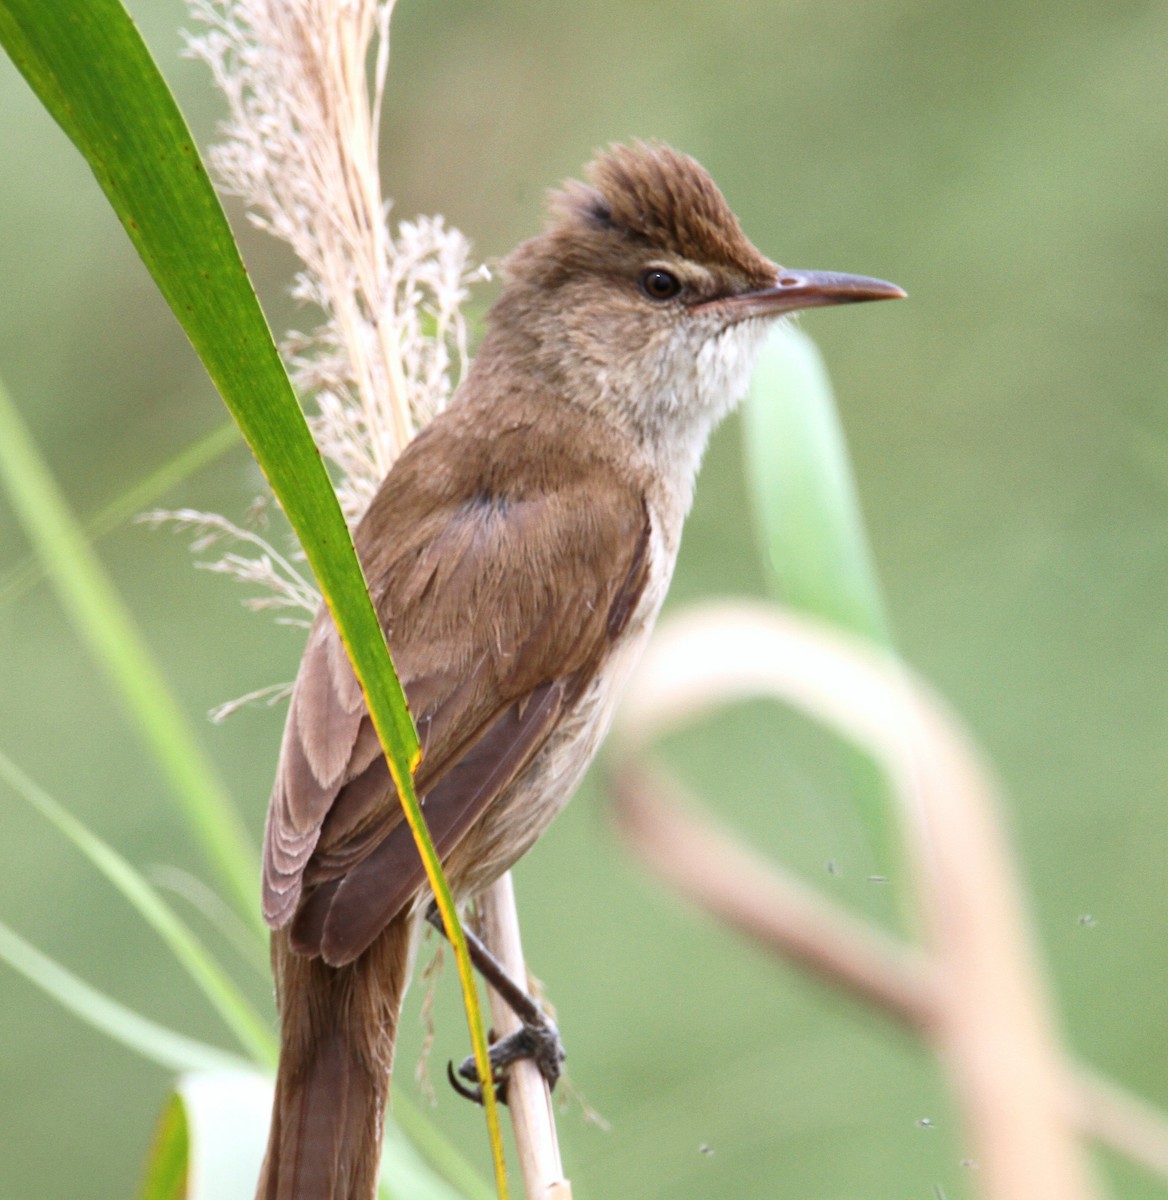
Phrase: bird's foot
(538,1041)
(537,1038)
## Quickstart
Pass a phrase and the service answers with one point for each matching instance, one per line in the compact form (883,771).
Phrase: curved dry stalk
(714,870)
(766,903)
(1120,1120)
(993,1024)
(528,1097)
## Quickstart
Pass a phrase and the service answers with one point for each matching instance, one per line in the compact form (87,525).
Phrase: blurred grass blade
(426,1137)
(402,1159)
(213,909)
(92,71)
(405,1174)
(105,625)
(165,1176)
(141,495)
(168,1049)
(810,528)
(811,532)
(252,1032)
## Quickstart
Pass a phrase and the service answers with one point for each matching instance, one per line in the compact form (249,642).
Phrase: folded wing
(502,586)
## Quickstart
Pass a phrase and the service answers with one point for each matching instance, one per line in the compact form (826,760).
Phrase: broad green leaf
(174,1051)
(91,69)
(251,1030)
(214,1127)
(810,529)
(210,1142)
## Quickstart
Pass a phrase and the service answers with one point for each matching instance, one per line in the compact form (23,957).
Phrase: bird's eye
(660,285)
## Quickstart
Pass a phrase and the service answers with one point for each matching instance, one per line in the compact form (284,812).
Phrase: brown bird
(517,553)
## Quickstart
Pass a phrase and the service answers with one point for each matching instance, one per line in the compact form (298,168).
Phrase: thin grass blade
(237,1014)
(105,625)
(174,1051)
(139,496)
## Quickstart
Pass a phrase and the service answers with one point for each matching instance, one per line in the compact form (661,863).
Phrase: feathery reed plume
(300,149)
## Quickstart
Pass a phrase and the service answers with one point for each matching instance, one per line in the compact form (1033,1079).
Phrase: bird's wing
(499,607)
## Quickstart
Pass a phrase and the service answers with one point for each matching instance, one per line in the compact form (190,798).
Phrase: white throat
(696,388)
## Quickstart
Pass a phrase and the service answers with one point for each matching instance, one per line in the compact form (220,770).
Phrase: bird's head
(644,297)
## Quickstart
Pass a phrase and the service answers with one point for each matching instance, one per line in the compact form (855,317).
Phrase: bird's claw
(540,1043)
(473,1094)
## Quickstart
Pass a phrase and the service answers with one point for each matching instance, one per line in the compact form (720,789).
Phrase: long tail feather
(338,1028)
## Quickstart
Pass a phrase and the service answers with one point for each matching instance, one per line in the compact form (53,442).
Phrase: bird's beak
(808,289)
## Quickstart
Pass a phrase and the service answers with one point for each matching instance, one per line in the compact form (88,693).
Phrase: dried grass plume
(300,148)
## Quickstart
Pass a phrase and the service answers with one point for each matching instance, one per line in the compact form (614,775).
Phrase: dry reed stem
(992,1025)
(528,1096)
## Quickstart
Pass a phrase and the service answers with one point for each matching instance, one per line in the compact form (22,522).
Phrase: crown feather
(650,193)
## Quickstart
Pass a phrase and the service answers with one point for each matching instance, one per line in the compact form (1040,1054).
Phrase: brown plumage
(517,555)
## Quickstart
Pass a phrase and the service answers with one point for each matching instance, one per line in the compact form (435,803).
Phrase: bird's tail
(338,1028)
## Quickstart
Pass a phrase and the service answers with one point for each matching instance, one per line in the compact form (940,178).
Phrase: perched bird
(517,553)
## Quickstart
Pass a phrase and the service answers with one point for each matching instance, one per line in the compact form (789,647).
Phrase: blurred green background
(1009,166)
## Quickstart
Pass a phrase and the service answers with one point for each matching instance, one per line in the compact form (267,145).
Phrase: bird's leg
(537,1039)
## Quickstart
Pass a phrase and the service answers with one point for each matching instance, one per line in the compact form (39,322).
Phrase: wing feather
(502,583)
(374,891)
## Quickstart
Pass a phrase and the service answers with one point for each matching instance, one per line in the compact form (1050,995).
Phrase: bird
(517,555)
